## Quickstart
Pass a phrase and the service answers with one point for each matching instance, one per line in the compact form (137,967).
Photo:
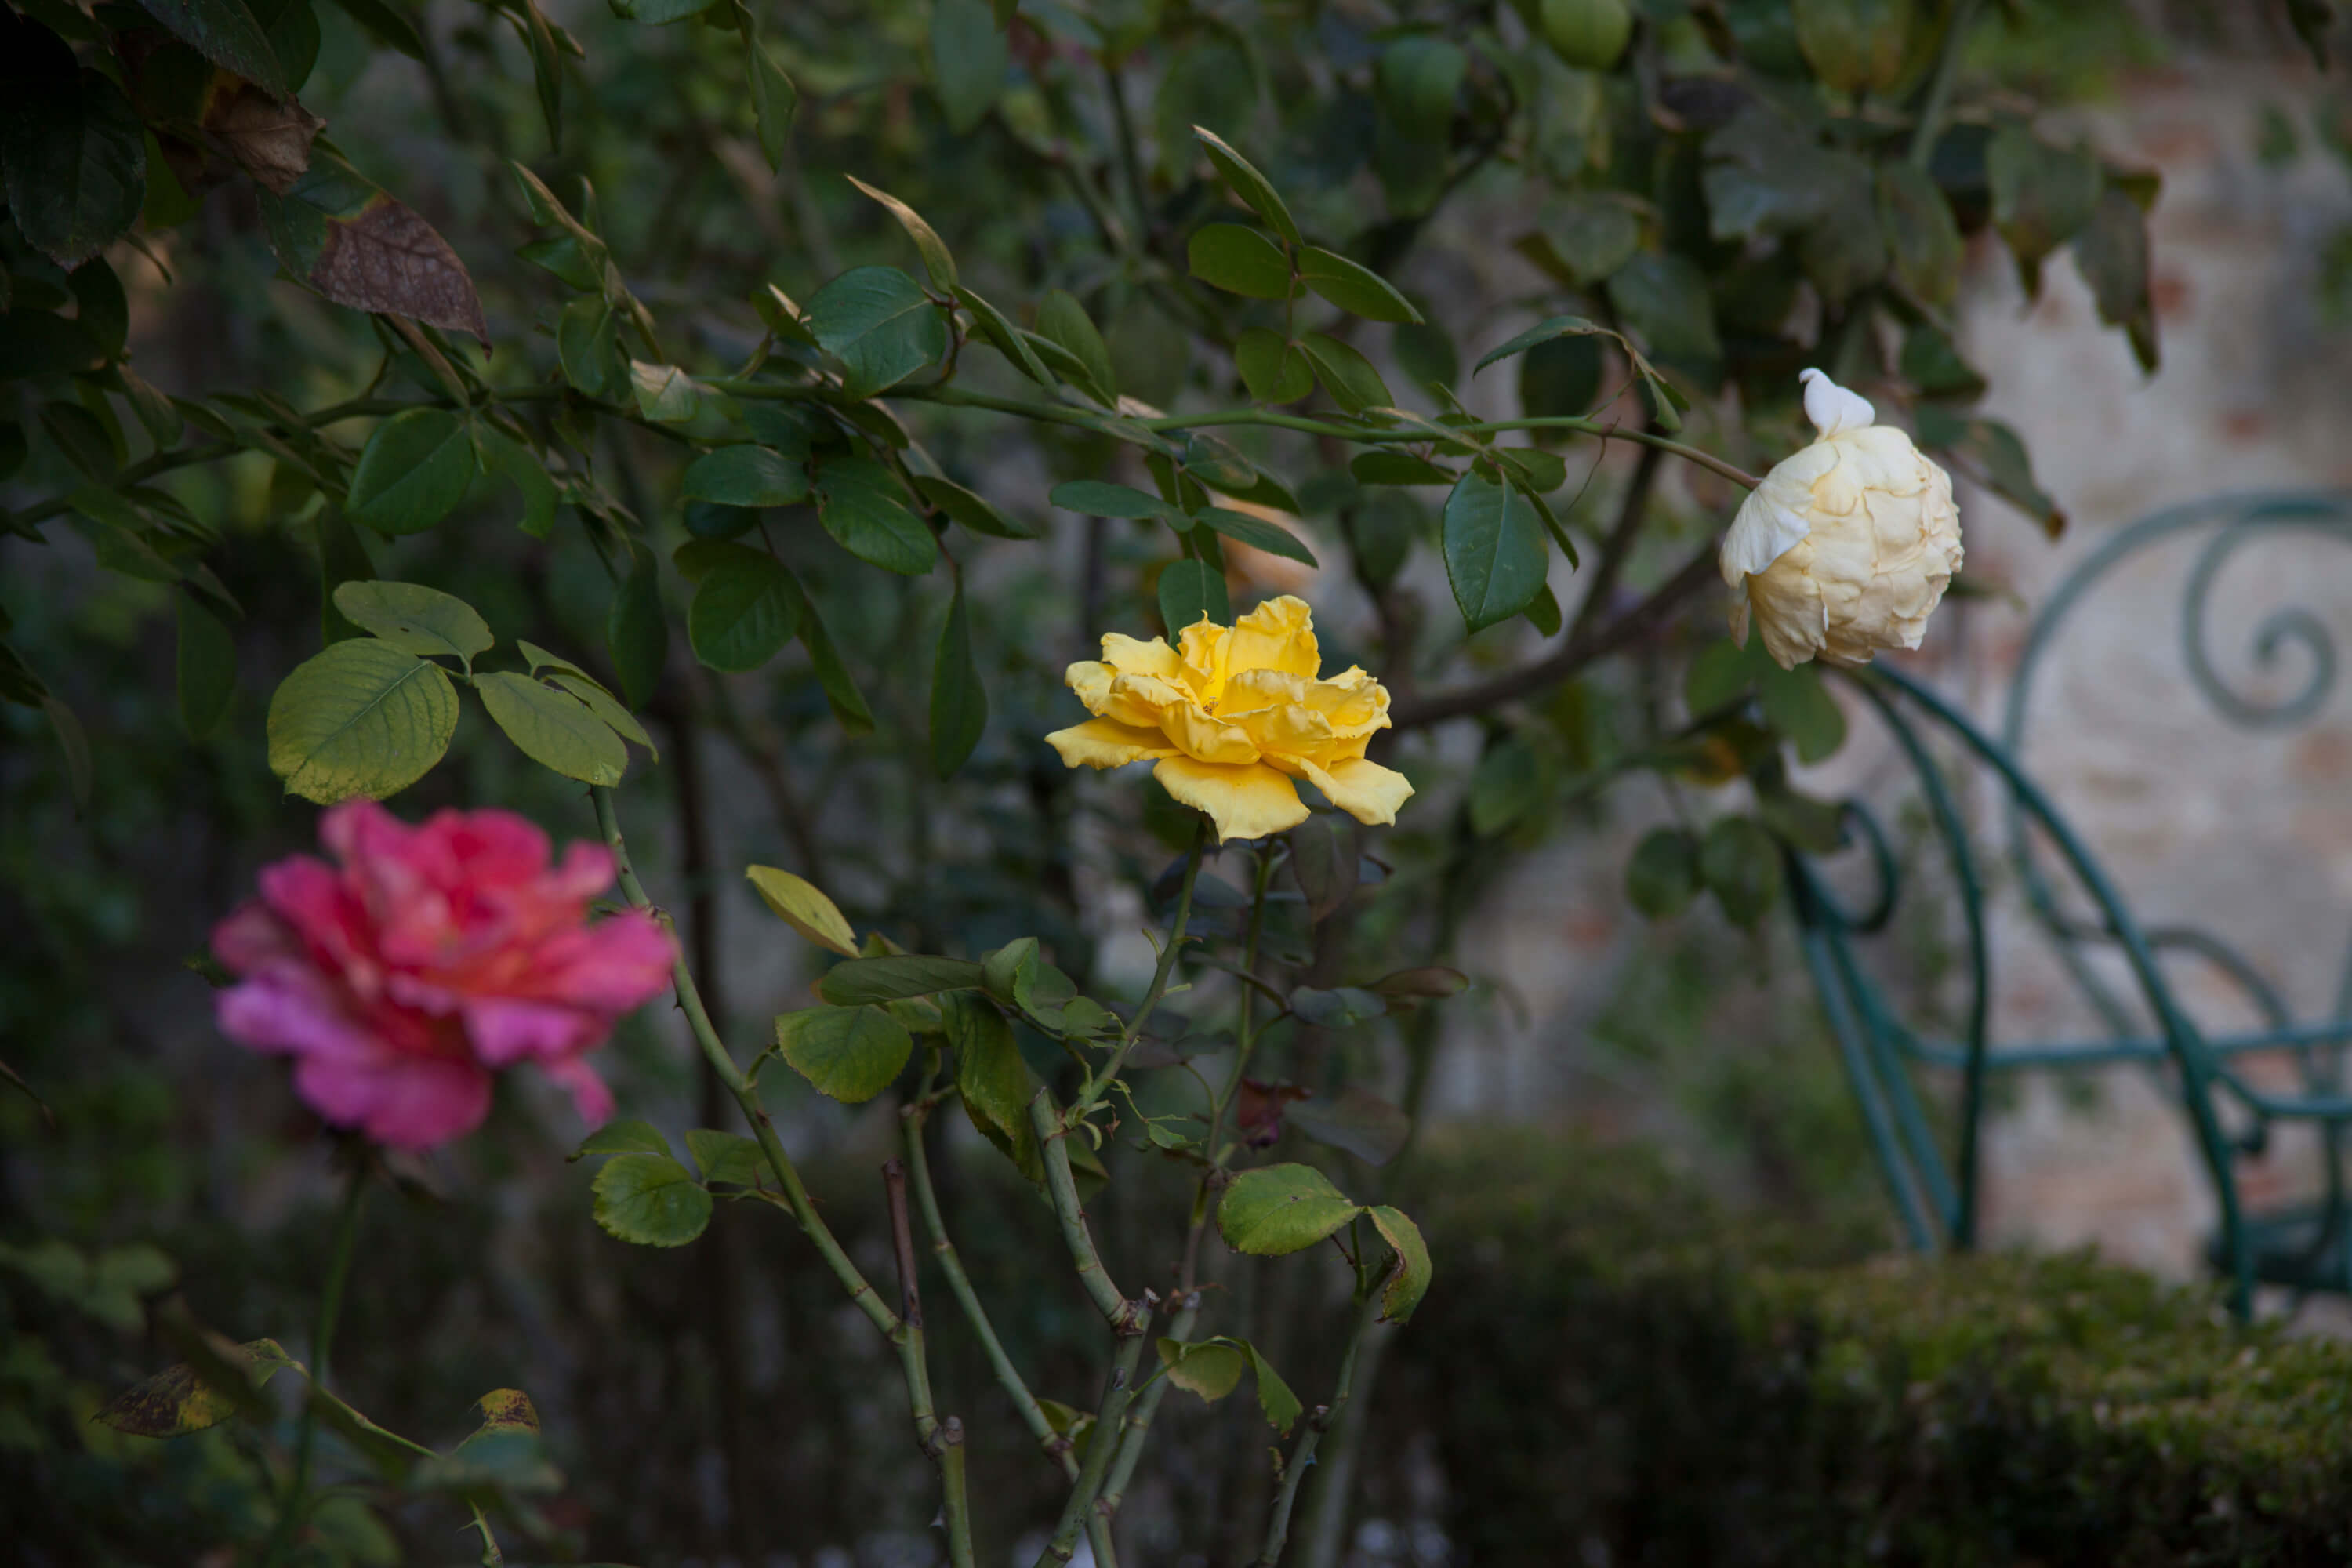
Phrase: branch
(1572,656)
(1075,1512)
(1277,1530)
(1124,1316)
(1008,1377)
(941,1441)
(1633,511)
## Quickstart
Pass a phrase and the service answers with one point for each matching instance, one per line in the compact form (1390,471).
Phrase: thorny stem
(934,1436)
(1113,1410)
(297,1508)
(1120,1313)
(1188,1294)
(1277,1530)
(1098,1083)
(1008,1376)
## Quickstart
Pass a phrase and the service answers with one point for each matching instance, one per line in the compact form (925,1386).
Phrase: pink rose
(430,958)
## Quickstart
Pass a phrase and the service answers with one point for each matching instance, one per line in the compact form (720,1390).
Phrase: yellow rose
(1231,715)
(1847,545)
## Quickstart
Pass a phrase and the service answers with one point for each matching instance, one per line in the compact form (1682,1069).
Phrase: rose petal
(1251,801)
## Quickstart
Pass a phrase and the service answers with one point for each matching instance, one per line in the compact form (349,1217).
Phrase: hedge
(1618,1371)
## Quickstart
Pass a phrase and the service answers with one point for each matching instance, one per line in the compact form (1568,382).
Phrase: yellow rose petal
(1102,743)
(1251,801)
(1364,790)
(1205,738)
(1278,635)
(1134,656)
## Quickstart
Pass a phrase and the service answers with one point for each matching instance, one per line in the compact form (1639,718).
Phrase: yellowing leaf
(803,905)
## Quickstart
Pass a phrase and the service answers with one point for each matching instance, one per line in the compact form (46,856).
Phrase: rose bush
(428,959)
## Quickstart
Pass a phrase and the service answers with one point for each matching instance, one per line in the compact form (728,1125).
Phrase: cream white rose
(1847,545)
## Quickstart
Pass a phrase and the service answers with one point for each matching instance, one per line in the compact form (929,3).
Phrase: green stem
(1008,1376)
(1939,101)
(932,1436)
(1051,1128)
(1098,1084)
(1245,1035)
(1108,1418)
(296,1508)
(1277,1530)
(1139,1422)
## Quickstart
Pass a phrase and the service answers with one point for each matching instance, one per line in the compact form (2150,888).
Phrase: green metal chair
(2307,1248)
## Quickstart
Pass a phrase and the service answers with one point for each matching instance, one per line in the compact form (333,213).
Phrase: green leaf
(1426,354)
(1359,290)
(416,619)
(970,508)
(1343,1007)
(992,1080)
(1798,704)
(1100,498)
(342,559)
(1494,546)
(665,393)
(744,611)
(746,476)
(205,668)
(774,98)
(2111,253)
(969,58)
(636,637)
(631,1137)
(2041,196)
(1252,187)
(1275,1398)
(603,704)
(1417,79)
(851,1053)
(588,345)
(1277,1209)
(959,701)
(1064,323)
(1357,1121)
(650,1200)
(859,501)
(936,261)
(554,728)
(1665,300)
(1585,238)
(726,1157)
(1209,1368)
(1386,466)
(82,439)
(1854,46)
(511,460)
(361,718)
(1275,369)
(413,471)
(861,980)
(77,163)
(1255,532)
(1409,1281)
(1740,863)
(1543,331)
(841,691)
(1009,340)
(1661,876)
(383,21)
(100,305)
(1189,591)
(547,68)
(880,324)
(1561,377)
(1922,234)
(804,907)
(1240,261)
(1346,373)
(227,34)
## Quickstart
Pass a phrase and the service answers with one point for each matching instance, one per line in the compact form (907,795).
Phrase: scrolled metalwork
(2144,1020)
